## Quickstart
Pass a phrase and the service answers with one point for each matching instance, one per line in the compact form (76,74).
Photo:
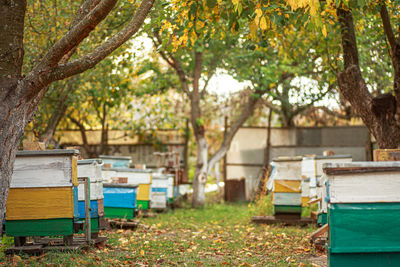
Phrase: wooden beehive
(91,168)
(116,161)
(363,213)
(159,192)
(119,200)
(286,181)
(141,178)
(43,200)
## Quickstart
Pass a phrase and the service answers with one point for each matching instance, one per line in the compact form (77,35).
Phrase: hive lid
(345,156)
(282,159)
(361,167)
(90,161)
(120,185)
(115,157)
(48,152)
(127,170)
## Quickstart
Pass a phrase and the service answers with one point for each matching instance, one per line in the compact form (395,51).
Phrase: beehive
(141,178)
(159,192)
(116,161)
(312,169)
(119,200)
(286,180)
(91,169)
(363,213)
(43,196)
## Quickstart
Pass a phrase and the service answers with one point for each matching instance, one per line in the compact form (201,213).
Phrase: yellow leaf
(324,31)
(142,253)
(263,23)
(258,13)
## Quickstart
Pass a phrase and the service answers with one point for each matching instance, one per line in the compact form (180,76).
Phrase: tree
(193,37)
(21,92)
(291,70)
(380,113)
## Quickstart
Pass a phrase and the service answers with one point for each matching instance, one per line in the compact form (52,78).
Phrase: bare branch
(387,27)
(99,53)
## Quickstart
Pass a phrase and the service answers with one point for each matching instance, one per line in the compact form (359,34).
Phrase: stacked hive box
(321,183)
(141,178)
(363,213)
(43,196)
(91,169)
(159,191)
(119,200)
(287,186)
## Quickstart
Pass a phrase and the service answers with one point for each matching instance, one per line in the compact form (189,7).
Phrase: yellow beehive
(287,186)
(40,203)
(143,192)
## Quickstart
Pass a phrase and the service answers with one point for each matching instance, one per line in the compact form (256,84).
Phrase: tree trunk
(378,113)
(201,173)
(13,109)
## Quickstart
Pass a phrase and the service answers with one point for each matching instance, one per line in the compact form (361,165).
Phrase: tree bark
(378,113)
(20,96)
(13,109)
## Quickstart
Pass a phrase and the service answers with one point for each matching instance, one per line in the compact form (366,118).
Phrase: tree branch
(387,27)
(349,43)
(99,53)
(247,111)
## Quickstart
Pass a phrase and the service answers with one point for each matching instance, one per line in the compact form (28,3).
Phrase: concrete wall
(246,155)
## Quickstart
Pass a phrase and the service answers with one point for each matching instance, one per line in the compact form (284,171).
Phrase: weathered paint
(90,168)
(93,209)
(74,171)
(96,191)
(292,199)
(287,209)
(40,203)
(336,159)
(158,199)
(143,204)
(287,169)
(143,192)
(124,213)
(119,197)
(287,186)
(134,176)
(364,227)
(49,171)
(100,207)
(364,187)
(387,155)
(62,226)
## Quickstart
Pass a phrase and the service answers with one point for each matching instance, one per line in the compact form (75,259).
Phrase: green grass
(216,235)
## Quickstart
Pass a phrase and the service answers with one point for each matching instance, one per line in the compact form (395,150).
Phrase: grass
(216,235)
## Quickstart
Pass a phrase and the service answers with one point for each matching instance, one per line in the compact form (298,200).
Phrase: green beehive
(363,213)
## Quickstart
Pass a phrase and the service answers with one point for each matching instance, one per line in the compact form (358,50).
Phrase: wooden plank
(50,171)
(48,227)
(319,232)
(158,200)
(96,191)
(387,155)
(287,170)
(100,206)
(93,170)
(364,188)
(293,199)
(287,186)
(74,170)
(124,213)
(321,160)
(143,192)
(40,203)
(361,167)
(123,224)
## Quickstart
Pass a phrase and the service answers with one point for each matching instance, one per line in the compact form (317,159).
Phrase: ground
(216,235)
